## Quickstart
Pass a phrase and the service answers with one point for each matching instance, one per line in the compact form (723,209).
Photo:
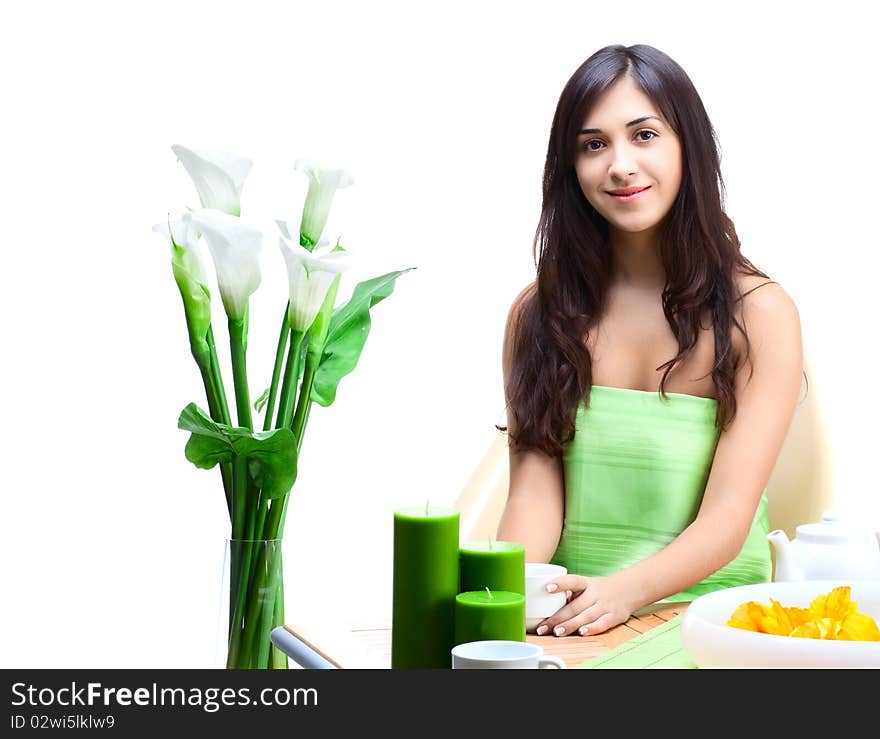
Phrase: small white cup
(539,603)
(502,654)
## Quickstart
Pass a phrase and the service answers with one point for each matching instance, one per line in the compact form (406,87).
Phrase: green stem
(235,605)
(275,524)
(261,605)
(253,532)
(262,510)
(275,518)
(222,405)
(283,512)
(219,392)
(260,614)
(291,377)
(208,381)
(249,602)
(238,349)
(276,370)
(277,657)
(204,363)
(247,564)
(238,329)
(302,404)
(269,609)
(239,496)
(238,605)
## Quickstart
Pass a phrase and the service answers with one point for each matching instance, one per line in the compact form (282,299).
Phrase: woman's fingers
(569,619)
(575,583)
(603,623)
(565,615)
(589,609)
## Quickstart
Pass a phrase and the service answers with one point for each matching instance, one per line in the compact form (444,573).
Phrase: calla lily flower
(309,275)
(189,273)
(284,228)
(323,184)
(235,248)
(218,176)
(186,258)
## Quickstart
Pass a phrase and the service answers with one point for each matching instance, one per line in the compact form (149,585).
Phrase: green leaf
(271,455)
(349,328)
(260,402)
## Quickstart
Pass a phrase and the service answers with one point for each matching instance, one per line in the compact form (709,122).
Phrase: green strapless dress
(635,473)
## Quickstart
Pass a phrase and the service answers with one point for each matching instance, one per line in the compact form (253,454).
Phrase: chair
(482,499)
(800,487)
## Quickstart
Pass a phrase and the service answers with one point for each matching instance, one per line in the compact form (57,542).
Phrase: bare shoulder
(522,297)
(516,310)
(771,319)
(765,301)
(512,326)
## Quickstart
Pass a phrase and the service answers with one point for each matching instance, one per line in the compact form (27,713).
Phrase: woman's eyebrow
(628,125)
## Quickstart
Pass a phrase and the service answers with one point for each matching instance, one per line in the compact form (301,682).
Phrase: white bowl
(711,643)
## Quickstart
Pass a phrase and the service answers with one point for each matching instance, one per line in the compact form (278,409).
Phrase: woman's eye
(587,146)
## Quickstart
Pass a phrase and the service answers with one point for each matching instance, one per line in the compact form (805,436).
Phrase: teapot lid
(832,528)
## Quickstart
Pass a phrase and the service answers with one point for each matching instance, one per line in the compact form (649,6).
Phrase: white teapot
(830,550)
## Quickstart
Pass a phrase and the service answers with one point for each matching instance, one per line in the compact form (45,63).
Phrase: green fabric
(658,648)
(635,473)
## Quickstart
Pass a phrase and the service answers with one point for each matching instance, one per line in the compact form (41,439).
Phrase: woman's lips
(629,198)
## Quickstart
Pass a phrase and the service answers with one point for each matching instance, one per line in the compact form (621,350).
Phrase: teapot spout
(786,568)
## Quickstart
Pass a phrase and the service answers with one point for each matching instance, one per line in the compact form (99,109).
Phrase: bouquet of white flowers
(318,345)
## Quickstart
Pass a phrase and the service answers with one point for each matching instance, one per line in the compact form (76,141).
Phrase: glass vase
(252,604)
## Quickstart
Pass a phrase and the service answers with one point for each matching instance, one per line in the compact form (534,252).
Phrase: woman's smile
(628,194)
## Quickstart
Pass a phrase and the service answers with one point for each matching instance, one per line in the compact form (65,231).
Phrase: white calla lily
(309,275)
(186,257)
(284,228)
(323,184)
(235,248)
(189,274)
(218,176)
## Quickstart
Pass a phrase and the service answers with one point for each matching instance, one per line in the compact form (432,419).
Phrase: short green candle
(497,565)
(425,583)
(489,614)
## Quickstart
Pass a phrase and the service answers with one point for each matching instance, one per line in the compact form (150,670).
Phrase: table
(313,643)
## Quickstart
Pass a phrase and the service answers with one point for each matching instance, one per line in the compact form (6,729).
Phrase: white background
(112,542)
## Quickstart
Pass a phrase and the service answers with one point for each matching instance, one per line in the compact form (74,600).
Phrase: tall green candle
(497,565)
(489,614)
(425,584)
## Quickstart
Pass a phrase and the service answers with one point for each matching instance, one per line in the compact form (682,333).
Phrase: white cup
(539,603)
(502,654)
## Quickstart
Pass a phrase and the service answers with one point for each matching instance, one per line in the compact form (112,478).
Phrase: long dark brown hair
(551,368)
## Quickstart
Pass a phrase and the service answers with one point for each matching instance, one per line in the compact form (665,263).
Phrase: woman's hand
(595,605)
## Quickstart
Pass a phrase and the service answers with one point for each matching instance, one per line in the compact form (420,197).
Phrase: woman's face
(643,154)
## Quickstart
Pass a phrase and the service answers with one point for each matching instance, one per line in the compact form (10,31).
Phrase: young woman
(651,371)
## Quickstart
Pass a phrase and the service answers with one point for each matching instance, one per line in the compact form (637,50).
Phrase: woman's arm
(534,509)
(535,500)
(744,458)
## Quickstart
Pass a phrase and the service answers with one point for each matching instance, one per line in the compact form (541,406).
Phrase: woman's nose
(622,167)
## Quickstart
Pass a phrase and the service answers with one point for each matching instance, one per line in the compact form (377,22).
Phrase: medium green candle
(489,614)
(497,565)
(425,584)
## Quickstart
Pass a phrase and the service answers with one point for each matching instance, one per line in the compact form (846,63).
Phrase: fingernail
(583,630)
(551,587)
(559,630)
(542,630)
